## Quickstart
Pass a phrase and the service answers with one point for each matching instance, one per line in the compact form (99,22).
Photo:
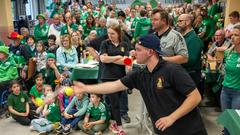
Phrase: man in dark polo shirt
(169,93)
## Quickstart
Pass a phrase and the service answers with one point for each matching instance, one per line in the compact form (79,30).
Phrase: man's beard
(181,30)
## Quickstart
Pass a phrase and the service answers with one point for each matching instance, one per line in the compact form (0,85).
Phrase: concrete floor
(9,127)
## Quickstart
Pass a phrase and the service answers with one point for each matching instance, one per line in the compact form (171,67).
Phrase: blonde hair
(69,39)
(80,41)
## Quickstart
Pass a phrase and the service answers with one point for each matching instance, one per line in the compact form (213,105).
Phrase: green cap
(4,49)
(51,55)
(41,15)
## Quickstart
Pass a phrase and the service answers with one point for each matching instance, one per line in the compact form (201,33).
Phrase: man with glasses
(194,46)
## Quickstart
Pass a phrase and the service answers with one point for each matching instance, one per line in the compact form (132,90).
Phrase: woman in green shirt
(230,95)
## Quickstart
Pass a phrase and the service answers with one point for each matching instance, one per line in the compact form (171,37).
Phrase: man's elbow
(182,60)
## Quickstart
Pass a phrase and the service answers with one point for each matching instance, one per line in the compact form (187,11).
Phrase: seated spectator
(19,51)
(67,54)
(52,46)
(8,69)
(51,116)
(72,116)
(97,116)
(64,99)
(218,47)
(51,71)
(55,28)
(18,104)
(37,90)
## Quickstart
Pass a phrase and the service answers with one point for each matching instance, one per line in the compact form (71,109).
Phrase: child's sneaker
(121,132)
(114,128)
(67,130)
(59,129)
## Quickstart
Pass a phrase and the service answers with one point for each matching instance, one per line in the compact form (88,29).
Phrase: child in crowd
(41,56)
(51,116)
(46,89)
(63,99)
(37,90)
(18,104)
(96,118)
(31,45)
(71,115)
(52,46)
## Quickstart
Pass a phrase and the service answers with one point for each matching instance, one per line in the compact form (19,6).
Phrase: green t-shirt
(195,47)
(49,75)
(232,69)
(54,113)
(34,92)
(64,29)
(18,102)
(97,112)
(87,30)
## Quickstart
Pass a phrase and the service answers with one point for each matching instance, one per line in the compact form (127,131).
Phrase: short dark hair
(13,82)
(121,13)
(30,36)
(143,13)
(163,14)
(234,14)
(53,37)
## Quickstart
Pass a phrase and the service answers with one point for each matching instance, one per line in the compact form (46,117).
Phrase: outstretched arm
(102,88)
(192,100)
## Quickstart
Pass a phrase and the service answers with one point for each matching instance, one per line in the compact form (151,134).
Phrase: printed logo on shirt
(122,49)
(160,83)
(22,100)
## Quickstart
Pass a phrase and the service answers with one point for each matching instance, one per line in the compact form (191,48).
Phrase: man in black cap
(169,93)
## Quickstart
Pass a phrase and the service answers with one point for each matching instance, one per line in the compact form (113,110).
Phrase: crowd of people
(177,44)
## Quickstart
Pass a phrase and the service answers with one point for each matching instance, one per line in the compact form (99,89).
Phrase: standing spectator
(194,45)
(143,25)
(230,95)
(171,103)
(113,51)
(172,43)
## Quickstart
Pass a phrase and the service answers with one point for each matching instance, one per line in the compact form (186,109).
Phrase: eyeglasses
(181,20)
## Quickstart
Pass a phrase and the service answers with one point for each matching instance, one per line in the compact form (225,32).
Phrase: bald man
(220,45)
(194,46)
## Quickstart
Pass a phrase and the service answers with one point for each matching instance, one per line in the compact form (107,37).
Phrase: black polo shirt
(112,71)
(163,91)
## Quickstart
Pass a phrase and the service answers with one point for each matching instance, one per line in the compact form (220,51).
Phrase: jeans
(42,125)
(230,99)
(73,122)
